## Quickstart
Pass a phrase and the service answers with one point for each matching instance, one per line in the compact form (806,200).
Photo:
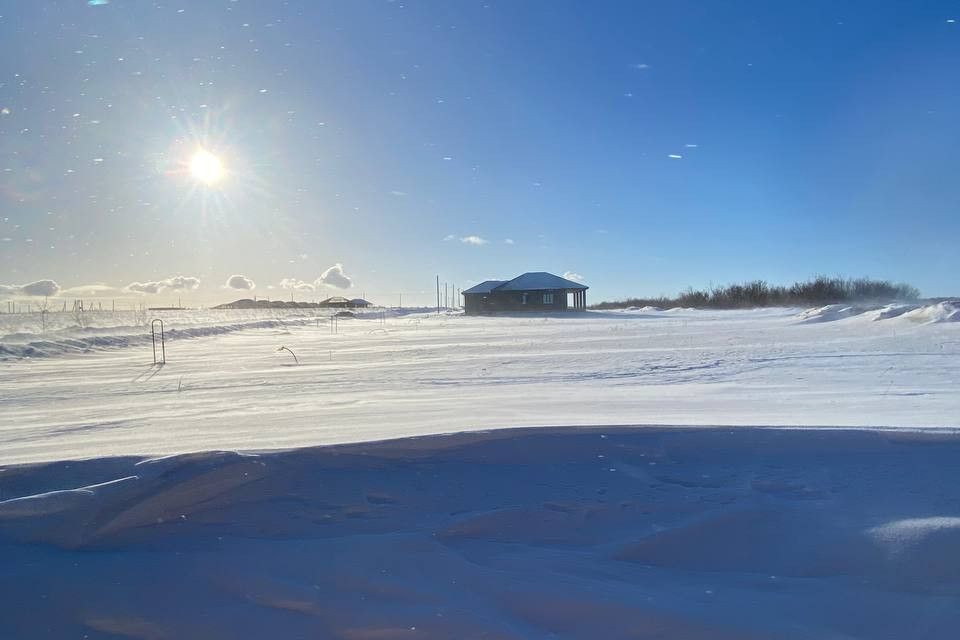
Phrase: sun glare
(206,167)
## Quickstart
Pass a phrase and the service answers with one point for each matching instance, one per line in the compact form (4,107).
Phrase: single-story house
(535,291)
(335,302)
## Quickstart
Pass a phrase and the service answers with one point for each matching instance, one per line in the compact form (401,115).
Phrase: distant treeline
(820,290)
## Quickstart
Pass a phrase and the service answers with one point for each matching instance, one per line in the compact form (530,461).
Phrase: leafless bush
(818,290)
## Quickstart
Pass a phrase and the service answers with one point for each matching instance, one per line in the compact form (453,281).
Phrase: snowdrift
(89,339)
(22,335)
(572,533)
(948,311)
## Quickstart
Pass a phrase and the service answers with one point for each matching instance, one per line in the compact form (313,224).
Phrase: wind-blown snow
(226,386)
(947,311)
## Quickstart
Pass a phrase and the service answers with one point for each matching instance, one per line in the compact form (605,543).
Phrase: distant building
(535,291)
(335,302)
(339,302)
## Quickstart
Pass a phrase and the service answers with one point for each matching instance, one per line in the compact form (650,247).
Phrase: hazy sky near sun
(645,145)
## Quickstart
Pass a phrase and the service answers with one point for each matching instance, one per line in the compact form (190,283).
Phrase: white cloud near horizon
(184,283)
(95,289)
(240,283)
(572,275)
(508,241)
(175,283)
(143,287)
(38,288)
(296,285)
(334,277)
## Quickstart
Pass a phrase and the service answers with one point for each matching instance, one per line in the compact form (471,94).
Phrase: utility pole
(438,295)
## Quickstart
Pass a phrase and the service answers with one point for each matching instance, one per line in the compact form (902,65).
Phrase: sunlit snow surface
(94,392)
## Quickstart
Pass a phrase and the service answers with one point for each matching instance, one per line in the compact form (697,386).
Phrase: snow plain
(720,526)
(94,392)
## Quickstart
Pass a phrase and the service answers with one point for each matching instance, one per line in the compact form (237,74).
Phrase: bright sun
(206,167)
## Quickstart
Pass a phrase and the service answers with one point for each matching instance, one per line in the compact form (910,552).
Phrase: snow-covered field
(733,530)
(94,392)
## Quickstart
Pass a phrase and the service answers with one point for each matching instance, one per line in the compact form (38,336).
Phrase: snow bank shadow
(573,533)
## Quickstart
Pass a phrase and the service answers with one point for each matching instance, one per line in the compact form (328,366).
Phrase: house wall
(477,303)
(473,303)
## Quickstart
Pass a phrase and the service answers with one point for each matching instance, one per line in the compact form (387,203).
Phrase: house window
(548,298)
(523,298)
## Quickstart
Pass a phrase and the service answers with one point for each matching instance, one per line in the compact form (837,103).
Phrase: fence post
(163,346)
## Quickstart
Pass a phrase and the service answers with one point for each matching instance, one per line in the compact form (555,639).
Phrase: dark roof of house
(533,281)
(360,302)
(539,281)
(485,287)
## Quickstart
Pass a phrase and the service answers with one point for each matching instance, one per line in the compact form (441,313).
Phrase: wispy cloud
(674,156)
(508,241)
(571,275)
(472,239)
(334,277)
(40,288)
(240,283)
(640,66)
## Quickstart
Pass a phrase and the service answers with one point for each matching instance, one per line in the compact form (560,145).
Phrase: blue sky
(813,137)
